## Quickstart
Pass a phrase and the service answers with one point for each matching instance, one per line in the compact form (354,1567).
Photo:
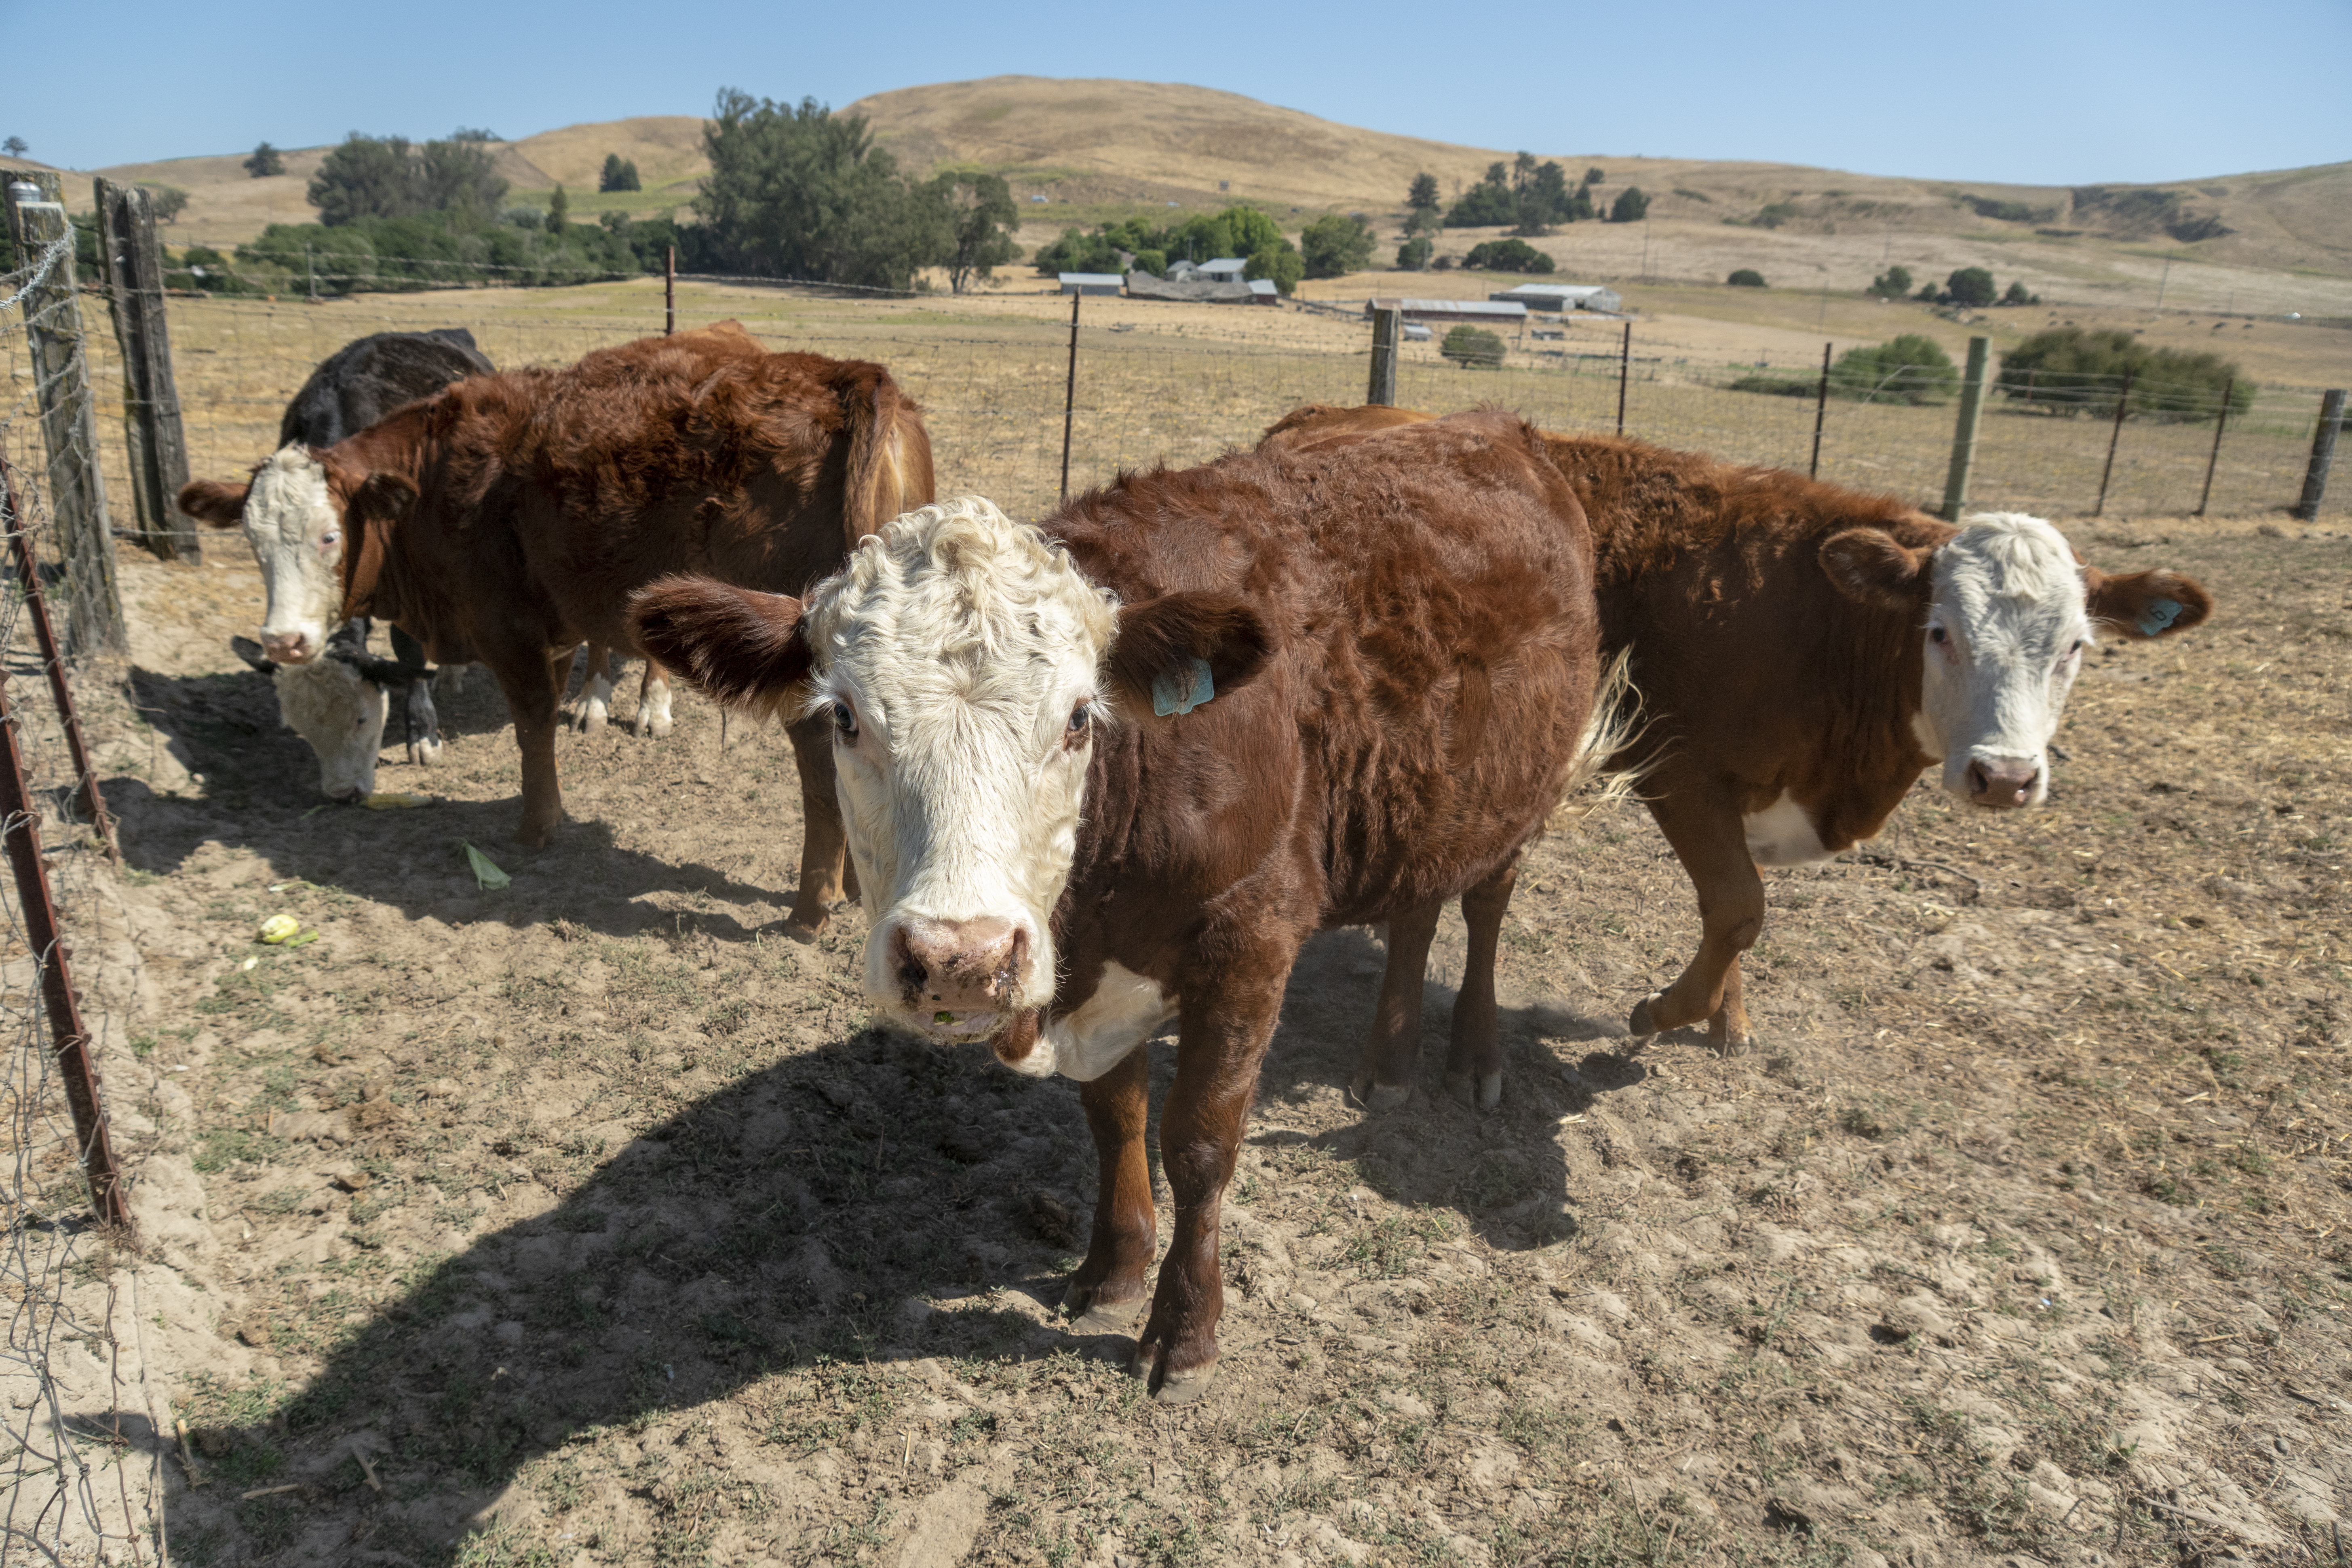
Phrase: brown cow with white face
(509,518)
(1115,769)
(1803,653)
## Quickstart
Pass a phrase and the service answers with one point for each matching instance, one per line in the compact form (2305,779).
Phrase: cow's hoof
(1380,1099)
(591,719)
(1185,1387)
(424,753)
(656,728)
(1480,1094)
(1106,1317)
(1641,1024)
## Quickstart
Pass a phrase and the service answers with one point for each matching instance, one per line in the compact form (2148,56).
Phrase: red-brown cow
(509,518)
(1116,768)
(1803,653)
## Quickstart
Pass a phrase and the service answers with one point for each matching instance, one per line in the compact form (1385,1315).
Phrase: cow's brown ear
(741,647)
(2145,604)
(382,497)
(1180,651)
(214,501)
(1870,567)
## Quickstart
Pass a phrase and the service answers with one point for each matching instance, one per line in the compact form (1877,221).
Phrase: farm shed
(1563,297)
(1090,282)
(1265,291)
(1225,268)
(1190,289)
(1454,312)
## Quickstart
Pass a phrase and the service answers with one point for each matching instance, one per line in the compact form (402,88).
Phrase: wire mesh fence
(78,1455)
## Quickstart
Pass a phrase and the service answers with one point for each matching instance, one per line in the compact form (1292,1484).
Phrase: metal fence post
(2323,453)
(86,800)
(68,418)
(1820,413)
(1964,430)
(1387,330)
(2115,439)
(669,291)
(155,443)
(1624,369)
(1070,389)
(2220,422)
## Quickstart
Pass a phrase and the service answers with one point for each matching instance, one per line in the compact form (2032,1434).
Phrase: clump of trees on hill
(1525,195)
(1509,255)
(386,177)
(1240,230)
(2069,371)
(619,174)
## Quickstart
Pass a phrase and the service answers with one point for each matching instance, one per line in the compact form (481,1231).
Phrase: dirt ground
(585,1221)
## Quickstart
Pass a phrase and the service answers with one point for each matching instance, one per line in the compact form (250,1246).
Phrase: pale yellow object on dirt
(394,800)
(278,927)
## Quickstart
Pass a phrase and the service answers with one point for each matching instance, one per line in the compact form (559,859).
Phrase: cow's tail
(889,459)
(1596,779)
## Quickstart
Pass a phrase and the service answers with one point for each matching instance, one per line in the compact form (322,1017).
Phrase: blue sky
(2040,93)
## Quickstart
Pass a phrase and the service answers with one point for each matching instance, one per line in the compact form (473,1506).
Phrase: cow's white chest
(1782,835)
(1120,1016)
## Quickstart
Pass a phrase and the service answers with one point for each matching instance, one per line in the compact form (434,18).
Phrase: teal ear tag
(1181,690)
(2159,614)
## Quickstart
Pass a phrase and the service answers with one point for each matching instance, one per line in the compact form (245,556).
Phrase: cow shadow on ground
(876,1200)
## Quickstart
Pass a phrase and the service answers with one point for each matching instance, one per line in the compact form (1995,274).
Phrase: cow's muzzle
(2004,784)
(949,973)
(288,647)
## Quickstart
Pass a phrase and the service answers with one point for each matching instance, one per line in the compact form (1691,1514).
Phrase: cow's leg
(1107,1292)
(1474,1062)
(653,702)
(824,841)
(1391,1063)
(534,689)
(1706,833)
(424,724)
(596,689)
(1222,1038)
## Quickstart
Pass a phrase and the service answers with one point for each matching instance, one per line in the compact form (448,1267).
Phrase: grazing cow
(339,711)
(1115,769)
(1804,653)
(512,515)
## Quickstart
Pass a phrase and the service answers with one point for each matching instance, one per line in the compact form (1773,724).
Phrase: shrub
(1078,251)
(1472,347)
(265,161)
(1413,255)
(619,174)
(1280,261)
(1971,287)
(1631,206)
(1910,369)
(1690,196)
(168,202)
(1774,214)
(2018,296)
(2067,369)
(1506,256)
(1594,176)
(1745,278)
(1333,245)
(1892,284)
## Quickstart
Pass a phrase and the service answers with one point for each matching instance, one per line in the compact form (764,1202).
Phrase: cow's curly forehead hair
(2016,556)
(976,584)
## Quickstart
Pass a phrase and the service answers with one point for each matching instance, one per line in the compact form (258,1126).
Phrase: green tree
(457,176)
(619,174)
(1594,176)
(1472,347)
(15,146)
(558,211)
(1506,256)
(1253,231)
(1971,287)
(2017,295)
(1631,206)
(1333,245)
(1422,204)
(2067,369)
(1413,255)
(1490,201)
(1280,262)
(387,176)
(1910,369)
(1892,284)
(265,161)
(1745,278)
(167,201)
(799,192)
(981,216)
(1078,251)
(1549,189)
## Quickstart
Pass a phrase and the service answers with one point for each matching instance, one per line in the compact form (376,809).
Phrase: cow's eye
(1935,634)
(330,537)
(1080,717)
(845,722)
(2075,650)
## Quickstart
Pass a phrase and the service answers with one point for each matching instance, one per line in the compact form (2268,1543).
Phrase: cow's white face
(341,713)
(296,529)
(958,656)
(2006,630)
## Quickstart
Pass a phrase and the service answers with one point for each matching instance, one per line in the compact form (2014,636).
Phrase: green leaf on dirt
(486,871)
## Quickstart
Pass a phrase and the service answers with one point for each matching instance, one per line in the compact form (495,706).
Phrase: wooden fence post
(1964,430)
(1820,412)
(2213,457)
(2114,440)
(77,490)
(157,445)
(669,291)
(1070,389)
(2323,453)
(1387,330)
(1625,371)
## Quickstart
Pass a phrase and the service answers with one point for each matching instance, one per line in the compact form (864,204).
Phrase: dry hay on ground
(590,1213)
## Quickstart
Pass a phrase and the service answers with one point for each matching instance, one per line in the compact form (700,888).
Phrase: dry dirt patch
(583,1222)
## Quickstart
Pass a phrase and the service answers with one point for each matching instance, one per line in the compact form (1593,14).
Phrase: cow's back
(1431,600)
(368,378)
